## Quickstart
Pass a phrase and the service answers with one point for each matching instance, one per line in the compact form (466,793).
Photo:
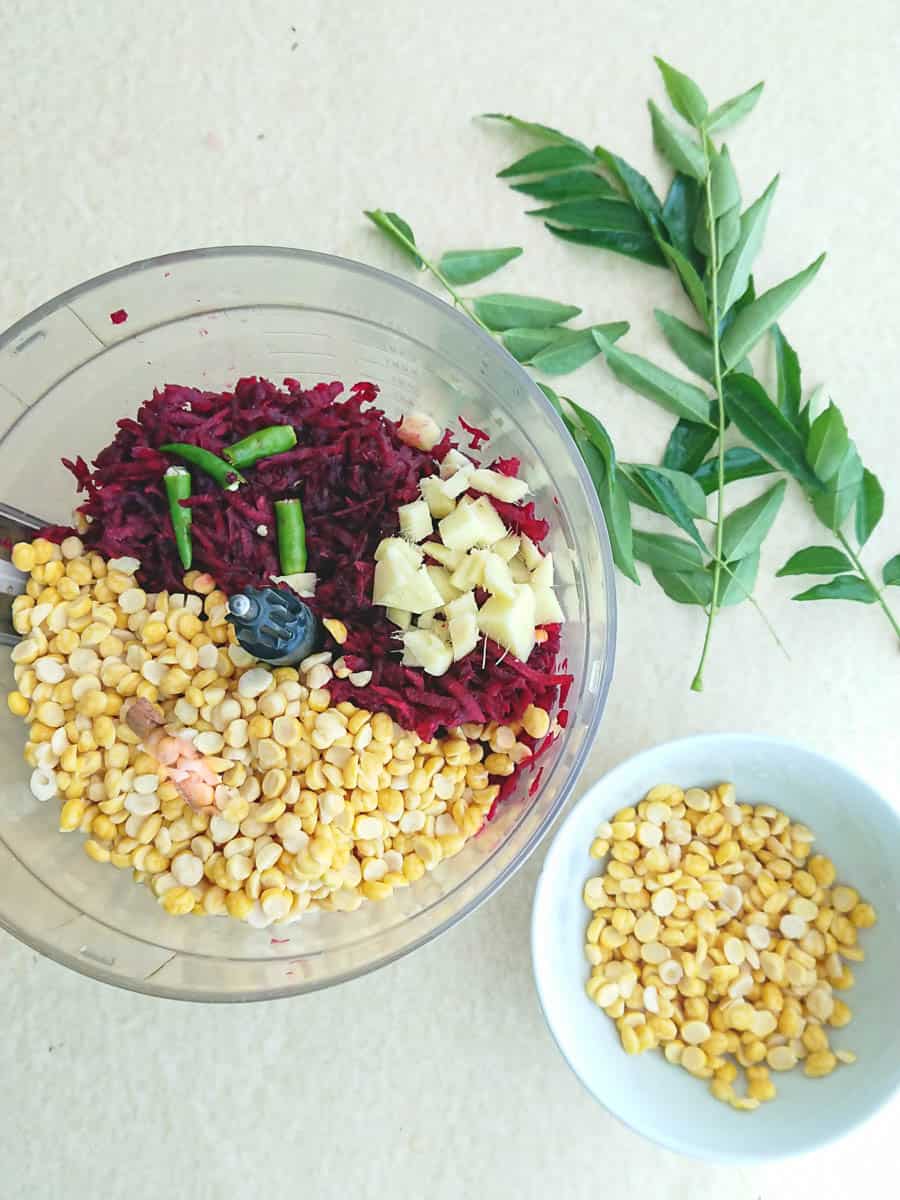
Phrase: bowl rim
(148,985)
(702,741)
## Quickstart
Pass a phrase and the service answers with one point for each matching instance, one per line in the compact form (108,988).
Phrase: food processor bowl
(204,318)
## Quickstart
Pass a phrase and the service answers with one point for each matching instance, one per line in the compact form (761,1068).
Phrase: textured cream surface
(133,129)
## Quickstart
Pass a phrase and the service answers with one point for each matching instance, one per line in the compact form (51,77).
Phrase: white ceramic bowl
(854,826)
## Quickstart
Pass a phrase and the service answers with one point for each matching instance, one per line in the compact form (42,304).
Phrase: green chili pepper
(225,475)
(177,482)
(274,439)
(291,536)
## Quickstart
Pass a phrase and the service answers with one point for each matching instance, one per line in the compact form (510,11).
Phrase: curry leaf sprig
(699,232)
(850,491)
(532,329)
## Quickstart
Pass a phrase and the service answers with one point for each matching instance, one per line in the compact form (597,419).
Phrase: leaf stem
(697,684)
(458,300)
(879,594)
(748,595)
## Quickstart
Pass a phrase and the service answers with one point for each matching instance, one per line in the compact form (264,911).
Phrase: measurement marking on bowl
(100,958)
(37,336)
(295,333)
(595,674)
(317,354)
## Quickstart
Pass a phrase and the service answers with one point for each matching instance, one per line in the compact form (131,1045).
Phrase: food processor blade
(15,526)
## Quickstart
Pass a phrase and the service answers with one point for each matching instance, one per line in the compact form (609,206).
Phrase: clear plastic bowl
(207,317)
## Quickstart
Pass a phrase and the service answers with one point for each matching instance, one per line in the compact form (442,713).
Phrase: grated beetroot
(499,690)
(352,472)
(521,518)
(349,468)
(478,435)
(506,466)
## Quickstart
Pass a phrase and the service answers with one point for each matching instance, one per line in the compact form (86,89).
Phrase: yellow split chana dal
(321,805)
(718,937)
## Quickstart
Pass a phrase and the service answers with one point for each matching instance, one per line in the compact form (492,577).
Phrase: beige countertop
(131,130)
